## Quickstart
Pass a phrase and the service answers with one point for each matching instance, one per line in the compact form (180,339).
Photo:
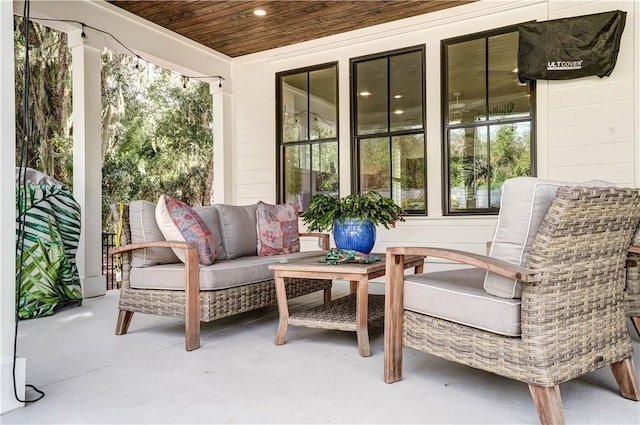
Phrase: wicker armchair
(572,313)
(192,304)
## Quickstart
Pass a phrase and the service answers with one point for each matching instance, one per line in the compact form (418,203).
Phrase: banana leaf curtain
(48,218)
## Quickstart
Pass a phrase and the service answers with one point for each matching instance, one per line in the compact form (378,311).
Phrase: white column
(86,49)
(8,217)
(223,169)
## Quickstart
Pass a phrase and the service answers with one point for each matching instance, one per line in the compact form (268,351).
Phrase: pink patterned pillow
(277,227)
(179,222)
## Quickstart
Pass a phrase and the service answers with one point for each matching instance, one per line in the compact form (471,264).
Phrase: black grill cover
(563,49)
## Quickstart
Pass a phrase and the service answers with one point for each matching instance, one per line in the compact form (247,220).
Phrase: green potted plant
(353,219)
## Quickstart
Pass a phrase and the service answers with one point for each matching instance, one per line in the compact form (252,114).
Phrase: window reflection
(466,78)
(295,122)
(372,96)
(508,97)
(322,104)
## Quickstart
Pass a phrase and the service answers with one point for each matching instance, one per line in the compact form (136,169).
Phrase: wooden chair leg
(393,318)
(627,378)
(192,299)
(548,404)
(124,320)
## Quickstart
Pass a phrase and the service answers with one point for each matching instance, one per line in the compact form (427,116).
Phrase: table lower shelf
(340,314)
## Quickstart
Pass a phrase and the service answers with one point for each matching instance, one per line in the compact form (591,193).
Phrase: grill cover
(563,49)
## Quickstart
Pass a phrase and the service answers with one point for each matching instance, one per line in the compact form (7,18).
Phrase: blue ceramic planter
(352,234)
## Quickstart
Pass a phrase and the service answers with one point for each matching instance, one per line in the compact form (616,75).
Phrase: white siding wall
(591,121)
(585,127)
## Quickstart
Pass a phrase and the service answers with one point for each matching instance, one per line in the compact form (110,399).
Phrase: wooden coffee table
(353,312)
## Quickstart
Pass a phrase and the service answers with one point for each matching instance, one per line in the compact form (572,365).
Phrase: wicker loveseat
(155,281)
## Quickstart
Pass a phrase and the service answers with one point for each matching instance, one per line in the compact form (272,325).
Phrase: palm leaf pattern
(48,276)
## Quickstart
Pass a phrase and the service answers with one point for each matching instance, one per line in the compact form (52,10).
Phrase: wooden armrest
(158,244)
(500,267)
(191,284)
(635,249)
(322,237)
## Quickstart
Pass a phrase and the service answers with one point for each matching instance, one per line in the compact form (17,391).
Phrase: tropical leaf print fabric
(46,273)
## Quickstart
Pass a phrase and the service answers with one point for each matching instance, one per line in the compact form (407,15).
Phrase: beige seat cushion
(458,296)
(220,275)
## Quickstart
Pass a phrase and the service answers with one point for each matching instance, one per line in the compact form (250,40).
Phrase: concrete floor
(92,376)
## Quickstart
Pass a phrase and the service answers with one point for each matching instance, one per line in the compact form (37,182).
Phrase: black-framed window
(488,120)
(388,126)
(307,133)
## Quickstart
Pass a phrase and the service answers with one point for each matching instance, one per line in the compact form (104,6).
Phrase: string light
(84,35)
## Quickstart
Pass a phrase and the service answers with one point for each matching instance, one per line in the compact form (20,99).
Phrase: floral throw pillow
(179,222)
(277,227)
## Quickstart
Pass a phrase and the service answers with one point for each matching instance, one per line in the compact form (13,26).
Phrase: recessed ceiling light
(398,112)
(259,12)
(365,93)
(398,96)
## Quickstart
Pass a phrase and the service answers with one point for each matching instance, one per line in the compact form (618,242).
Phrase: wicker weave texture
(340,314)
(573,321)
(632,290)
(213,304)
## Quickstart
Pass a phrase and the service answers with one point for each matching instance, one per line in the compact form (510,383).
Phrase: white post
(223,169)
(86,49)
(8,218)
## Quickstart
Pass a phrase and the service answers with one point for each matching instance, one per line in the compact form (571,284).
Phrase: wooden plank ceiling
(230,27)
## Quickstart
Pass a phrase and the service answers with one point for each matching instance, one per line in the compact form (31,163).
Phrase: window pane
(466,80)
(325,168)
(408,172)
(371,92)
(297,175)
(510,154)
(323,111)
(468,169)
(508,98)
(405,91)
(294,107)
(375,166)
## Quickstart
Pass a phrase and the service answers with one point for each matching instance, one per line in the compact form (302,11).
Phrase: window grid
(492,119)
(304,166)
(393,169)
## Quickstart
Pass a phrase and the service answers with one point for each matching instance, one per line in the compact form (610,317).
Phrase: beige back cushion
(142,219)
(525,201)
(238,229)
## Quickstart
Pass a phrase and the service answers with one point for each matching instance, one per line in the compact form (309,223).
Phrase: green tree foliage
(158,135)
(156,125)
(510,155)
(49,100)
